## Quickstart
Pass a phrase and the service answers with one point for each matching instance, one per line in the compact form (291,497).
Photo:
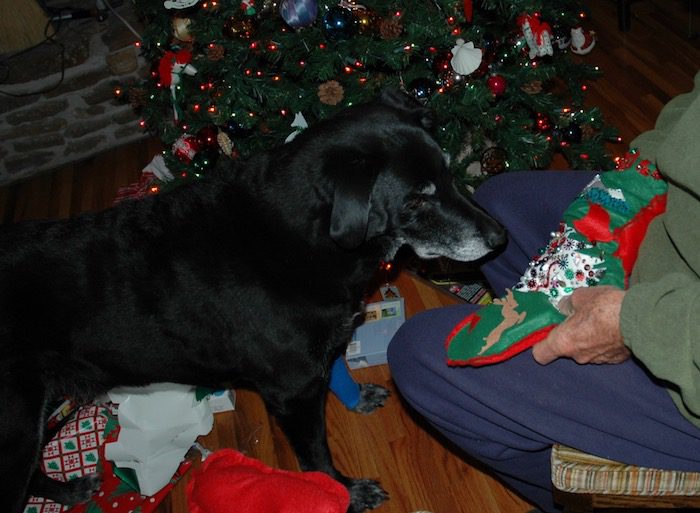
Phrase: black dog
(251,277)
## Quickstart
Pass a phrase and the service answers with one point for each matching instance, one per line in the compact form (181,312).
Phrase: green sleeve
(660,323)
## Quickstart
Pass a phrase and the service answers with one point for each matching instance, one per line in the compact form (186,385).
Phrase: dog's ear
(402,102)
(354,180)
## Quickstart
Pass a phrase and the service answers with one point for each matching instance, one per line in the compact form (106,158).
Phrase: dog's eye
(416,202)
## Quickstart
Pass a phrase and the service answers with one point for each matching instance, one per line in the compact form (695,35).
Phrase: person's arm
(660,322)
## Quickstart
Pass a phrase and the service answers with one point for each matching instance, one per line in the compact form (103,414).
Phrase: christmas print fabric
(597,244)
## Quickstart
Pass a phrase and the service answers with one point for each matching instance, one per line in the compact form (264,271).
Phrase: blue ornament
(421,89)
(235,129)
(339,23)
(299,13)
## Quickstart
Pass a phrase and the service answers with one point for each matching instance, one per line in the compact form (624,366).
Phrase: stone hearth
(61,106)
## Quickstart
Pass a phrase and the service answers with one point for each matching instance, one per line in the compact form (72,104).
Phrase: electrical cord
(57,16)
(126,23)
(47,39)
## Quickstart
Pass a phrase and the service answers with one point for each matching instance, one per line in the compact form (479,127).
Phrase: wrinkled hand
(591,333)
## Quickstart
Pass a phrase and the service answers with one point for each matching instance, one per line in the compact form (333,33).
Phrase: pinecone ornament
(225,143)
(215,52)
(587,132)
(390,28)
(534,87)
(137,97)
(331,92)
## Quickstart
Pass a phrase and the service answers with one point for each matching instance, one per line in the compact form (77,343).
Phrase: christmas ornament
(494,161)
(185,148)
(542,123)
(181,29)
(572,133)
(441,63)
(331,92)
(582,41)
(497,85)
(236,27)
(421,89)
(587,132)
(390,28)
(179,4)
(215,52)
(248,7)
(225,143)
(534,87)
(449,80)
(299,13)
(299,124)
(170,68)
(137,97)
(206,137)
(339,23)
(537,34)
(367,20)
(235,129)
(465,58)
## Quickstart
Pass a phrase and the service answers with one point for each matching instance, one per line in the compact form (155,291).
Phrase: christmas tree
(229,79)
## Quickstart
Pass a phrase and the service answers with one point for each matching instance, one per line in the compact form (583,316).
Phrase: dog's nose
(494,234)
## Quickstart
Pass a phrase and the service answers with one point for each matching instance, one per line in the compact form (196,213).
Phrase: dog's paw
(371,397)
(365,494)
(80,490)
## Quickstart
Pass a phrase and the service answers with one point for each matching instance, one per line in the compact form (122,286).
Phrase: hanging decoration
(339,23)
(171,67)
(465,58)
(538,35)
(299,13)
(179,4)
(497,85)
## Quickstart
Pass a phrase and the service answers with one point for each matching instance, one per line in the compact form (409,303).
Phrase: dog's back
(252,276)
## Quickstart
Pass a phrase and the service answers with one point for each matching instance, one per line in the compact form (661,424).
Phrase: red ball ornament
(497,85)
(542,123)
(206,137)
(442,63)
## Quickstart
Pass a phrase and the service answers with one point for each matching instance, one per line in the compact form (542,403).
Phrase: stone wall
(58,103)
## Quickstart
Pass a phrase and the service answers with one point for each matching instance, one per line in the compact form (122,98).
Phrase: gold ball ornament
(181,29)
(367,21)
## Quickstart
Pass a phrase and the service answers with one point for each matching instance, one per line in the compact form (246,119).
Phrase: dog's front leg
(302,418)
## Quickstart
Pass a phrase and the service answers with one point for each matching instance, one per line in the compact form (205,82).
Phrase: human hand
(590,333)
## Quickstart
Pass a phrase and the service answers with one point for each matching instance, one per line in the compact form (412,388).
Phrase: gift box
(371,339)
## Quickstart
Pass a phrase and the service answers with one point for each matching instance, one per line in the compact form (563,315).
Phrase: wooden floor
(642,69)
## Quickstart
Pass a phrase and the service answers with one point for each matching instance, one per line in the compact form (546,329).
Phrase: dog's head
(391,181)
